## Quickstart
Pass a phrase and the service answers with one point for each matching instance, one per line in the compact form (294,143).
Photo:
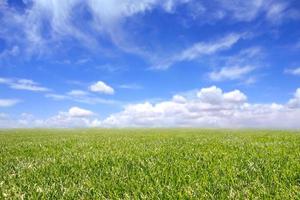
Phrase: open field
(149,164)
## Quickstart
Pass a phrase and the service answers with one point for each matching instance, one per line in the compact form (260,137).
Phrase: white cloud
(77,93)
(87,99)
(3,116)
(8,102)
(295,102)
(235,96)
(106,21)
(74,117)
(214,95)
(23,84)
(11,52)
(58,97)
(230,73)
(179,99)
(279,11)
(243,10)
(200,49)
(25,31)
(273,11)
(79,112)
(211,107)
(238,67)
(295,71)
(131,86)
(101,87)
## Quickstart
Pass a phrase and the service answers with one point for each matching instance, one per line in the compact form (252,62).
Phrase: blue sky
(149,63)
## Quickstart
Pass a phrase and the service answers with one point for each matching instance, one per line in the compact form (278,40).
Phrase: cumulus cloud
(210,107)
(295,102)
(230,73)
(8,102)
(79,112)
(101,87)
(23,84)
(74,117)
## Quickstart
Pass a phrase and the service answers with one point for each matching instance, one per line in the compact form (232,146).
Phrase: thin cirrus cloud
(200,49)
(294,71)
(231,73)
(108,17)
(23,84)
(86,99)
(8,102)
(77,93)
(131,86)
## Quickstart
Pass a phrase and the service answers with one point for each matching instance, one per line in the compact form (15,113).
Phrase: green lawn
(149,164)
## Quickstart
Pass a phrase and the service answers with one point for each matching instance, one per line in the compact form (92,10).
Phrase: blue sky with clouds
(149,63)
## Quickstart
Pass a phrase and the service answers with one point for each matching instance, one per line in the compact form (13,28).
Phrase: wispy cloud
(44,23)
(23,84)
(294,71)
(106,21)
(201,49)
(239,66)
(8,102)
(81,97)
(131,86)
(77,93)
(230,73)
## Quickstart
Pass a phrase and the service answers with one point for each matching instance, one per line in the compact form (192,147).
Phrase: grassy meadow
(149,164)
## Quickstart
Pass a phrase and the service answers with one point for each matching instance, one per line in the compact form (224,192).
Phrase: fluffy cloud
(101,87)
(230,73)
(74,117)
(23,84)
(210,107)
(235,96)
(79,112)
(8,102)
(295,102)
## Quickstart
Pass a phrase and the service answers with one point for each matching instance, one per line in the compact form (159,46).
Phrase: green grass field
(149,164)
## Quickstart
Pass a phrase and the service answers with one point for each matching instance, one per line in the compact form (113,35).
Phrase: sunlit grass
(149,164)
